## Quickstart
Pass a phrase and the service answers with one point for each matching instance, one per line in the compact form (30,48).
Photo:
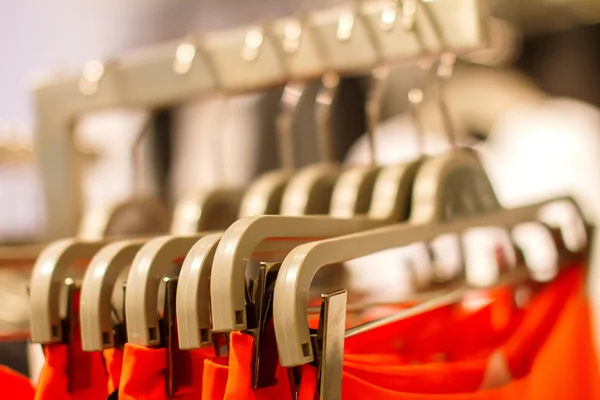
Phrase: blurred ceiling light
(345,26)
(184,57)
(253,41)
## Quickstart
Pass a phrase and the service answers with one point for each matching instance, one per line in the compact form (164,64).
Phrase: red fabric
(214,380)
(70,373)
(231,378)
(113,360)
(551,356)
(143,373)
(239,380)
(88,376)
(14,385)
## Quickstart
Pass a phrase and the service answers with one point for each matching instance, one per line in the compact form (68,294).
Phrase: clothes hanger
(140,214)
(264,196)
(451,194)
(310,189)
(353,191)
(390,204)
(47,279)
(151,262)
(97,328)
(207,209)
(446,211)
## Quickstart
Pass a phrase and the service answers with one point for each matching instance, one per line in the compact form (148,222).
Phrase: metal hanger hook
(437,72)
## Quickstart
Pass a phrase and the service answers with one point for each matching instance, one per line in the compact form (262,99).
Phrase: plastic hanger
(264,196)
(96,291)
(389,204)
(47,279)
(310,189)
(444,211)
(151,262)
(213,208)
(207,210)
(193,294)
(138,215)
(451,194)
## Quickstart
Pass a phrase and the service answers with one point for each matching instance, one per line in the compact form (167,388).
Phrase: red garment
(466,373)
(14,385)
(214,380)
(143,373)
(113,360)
(231,379)
(87,378)
(551,356)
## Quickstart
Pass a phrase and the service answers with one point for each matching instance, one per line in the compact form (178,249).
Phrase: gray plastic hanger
(136,216)
(47,279)
(193,294)
(207,210)
(310,189)
(151,262)
(441,209)
(96,291)
(451,194)
(389,204)
(264,196)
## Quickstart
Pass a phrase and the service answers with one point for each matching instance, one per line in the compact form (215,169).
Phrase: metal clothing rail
(349,39)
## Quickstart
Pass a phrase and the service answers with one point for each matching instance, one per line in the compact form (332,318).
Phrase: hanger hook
(443,68)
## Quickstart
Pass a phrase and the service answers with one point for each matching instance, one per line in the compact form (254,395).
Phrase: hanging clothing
(231,379)
(14,385)
(550,356)
(113,361)
(74,376)
(143,373)
(69,373)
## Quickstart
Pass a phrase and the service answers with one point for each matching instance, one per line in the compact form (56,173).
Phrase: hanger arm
(141,298)
(243,238)
(193,294)
(96,291)
(303,262)
(46,281)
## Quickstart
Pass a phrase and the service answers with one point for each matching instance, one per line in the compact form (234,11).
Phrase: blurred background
(529,102)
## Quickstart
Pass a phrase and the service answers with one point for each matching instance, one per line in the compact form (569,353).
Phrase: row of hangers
(294,223)
(345,39)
